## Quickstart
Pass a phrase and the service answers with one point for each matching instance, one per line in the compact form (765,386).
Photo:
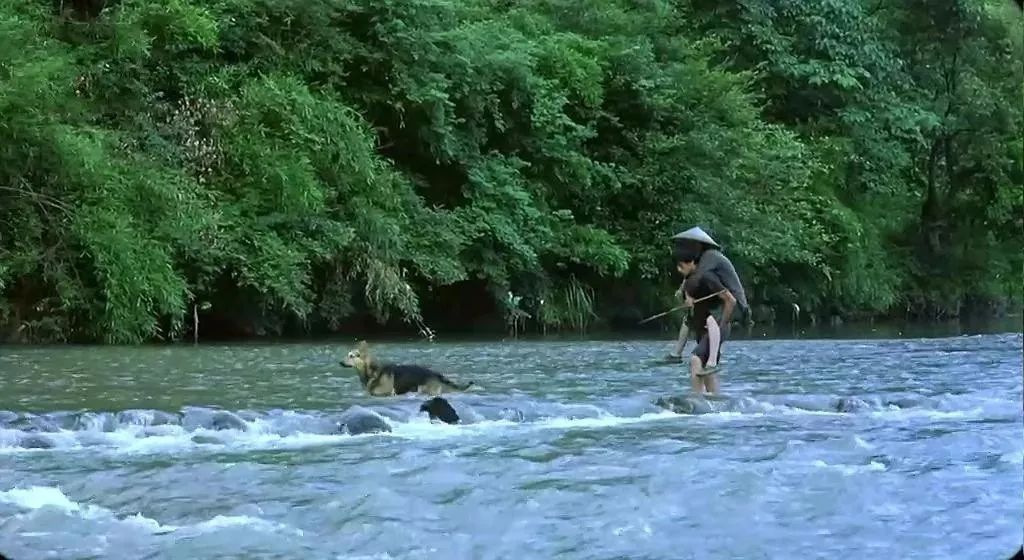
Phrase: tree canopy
(288,166)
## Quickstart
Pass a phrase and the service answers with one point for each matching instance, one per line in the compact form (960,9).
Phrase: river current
(908,448)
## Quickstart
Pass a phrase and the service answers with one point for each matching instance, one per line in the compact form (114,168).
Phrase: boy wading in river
(710,280)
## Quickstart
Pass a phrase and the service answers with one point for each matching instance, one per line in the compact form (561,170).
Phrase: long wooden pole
(678,307)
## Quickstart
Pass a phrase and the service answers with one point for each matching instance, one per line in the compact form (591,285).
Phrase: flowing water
(901,448)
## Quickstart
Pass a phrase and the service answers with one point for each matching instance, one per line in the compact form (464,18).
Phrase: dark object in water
(856,404)
(688,404)
(439,409)
(148,418)
(33,423)
(223,420)
(513,414)
(35,441)
(850,404)
(358,420)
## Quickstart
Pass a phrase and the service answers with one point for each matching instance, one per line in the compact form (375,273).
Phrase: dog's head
(359,358)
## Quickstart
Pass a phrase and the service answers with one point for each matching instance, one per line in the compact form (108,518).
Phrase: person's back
(701,288)
(712,261)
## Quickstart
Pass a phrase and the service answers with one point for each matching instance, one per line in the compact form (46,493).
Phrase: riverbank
(469,161)
(856,330)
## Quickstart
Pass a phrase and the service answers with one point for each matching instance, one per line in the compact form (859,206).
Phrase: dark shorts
(703,350)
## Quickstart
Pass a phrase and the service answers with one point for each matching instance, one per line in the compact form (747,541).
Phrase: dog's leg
(432,388)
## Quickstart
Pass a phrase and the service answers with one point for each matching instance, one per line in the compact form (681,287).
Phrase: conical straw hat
(696,234)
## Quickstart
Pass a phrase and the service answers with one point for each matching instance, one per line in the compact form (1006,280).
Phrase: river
(906,448)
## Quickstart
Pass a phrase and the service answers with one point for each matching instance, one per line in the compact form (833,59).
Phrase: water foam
(220,430)
(42,498)
(198,429)
(849,470)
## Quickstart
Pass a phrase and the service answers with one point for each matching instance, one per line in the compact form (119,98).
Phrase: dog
(439,409)
(382,379)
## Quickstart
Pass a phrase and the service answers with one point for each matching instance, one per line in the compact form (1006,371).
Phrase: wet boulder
(7,417)
(851,404)
(248,415)
(36,441)
(94,421)
(440,409)
(358,420)
(34,423)
(512,415)
(207,439)
(903,402)
(210,419)
(685,404)
(223,420)
(147,418)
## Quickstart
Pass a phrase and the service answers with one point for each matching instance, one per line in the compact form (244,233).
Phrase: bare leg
(684,332)
(711,383)
(714,341)
(696,385)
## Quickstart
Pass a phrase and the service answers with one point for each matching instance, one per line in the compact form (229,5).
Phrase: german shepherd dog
(382,379)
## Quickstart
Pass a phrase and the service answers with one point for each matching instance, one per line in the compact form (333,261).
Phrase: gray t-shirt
(712,261)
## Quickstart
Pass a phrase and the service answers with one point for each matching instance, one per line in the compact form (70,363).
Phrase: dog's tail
(453,385)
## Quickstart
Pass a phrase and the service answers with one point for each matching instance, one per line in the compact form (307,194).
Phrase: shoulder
(700,283)
(713,261)
(712,258)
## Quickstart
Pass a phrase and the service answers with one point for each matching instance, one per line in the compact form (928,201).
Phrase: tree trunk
(932,207)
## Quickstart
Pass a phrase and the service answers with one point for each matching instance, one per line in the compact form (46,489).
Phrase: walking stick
(678,307)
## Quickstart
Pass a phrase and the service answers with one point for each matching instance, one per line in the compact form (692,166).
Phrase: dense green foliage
(299,165)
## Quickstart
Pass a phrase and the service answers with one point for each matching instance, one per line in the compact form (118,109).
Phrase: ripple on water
(823,448)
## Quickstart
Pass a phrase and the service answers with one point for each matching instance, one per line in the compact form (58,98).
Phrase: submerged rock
(204,418)
(439,409)
(849,404)
(206,439)
(904,402)
(6,417)
(32,423)
(857,404)
(686,404)
(248,415)
(358,420)
(223,420)
(512,414)
(36,441)
(95,421)
(147,418)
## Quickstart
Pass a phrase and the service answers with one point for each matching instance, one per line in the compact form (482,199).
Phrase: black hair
(682,253)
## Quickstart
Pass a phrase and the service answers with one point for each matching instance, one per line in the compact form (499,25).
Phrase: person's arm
(684,328)
(728,304)
(728,301)
(684,335)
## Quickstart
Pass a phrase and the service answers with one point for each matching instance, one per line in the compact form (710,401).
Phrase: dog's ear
(364,351)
